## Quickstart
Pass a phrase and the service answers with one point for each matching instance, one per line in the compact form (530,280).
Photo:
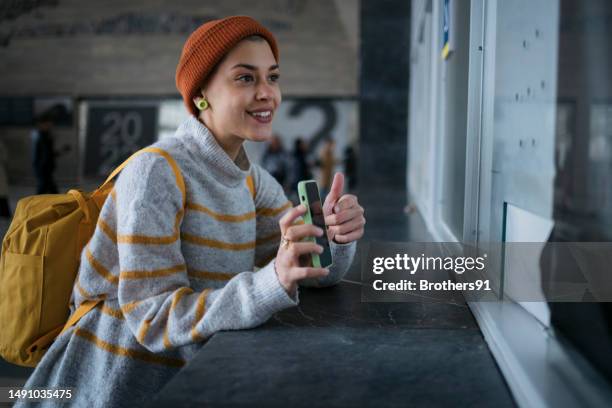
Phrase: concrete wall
(117,49)
(131,48)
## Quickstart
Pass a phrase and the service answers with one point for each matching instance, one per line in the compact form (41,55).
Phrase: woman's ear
(199,97)
(201,102)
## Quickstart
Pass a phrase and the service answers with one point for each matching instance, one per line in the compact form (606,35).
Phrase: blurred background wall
(110,67)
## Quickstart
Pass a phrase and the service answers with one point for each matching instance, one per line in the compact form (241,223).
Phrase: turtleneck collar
(226,170)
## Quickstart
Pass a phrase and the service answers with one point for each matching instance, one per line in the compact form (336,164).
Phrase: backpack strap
(81,311)
(45,340)
(175,169)
(78,196)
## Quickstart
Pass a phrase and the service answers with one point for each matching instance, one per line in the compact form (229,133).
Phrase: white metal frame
(432,212)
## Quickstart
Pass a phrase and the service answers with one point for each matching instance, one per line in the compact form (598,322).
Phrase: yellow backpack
(40,259)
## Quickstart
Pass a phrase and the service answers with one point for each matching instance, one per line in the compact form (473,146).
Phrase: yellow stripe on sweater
(112,312)
(269,238)
(200,309)
(275,236)
(147,240)
(98,267)
(126,352)
(271,212)
(127,308)
(220,276)
(175,300)
(144,329)
(112,235)
(251,185)
(213,243)
(85,293)
(221,217)
(82,291)
(152,240)
(156,273)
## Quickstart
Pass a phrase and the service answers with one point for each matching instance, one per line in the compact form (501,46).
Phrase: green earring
(202,104)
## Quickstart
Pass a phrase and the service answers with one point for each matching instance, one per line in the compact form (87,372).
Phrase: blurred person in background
(44,153)
(275,161)
(350,167)
(327,162)
(300,166)
(43,158)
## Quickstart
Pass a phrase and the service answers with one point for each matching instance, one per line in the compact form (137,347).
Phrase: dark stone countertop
(334,350)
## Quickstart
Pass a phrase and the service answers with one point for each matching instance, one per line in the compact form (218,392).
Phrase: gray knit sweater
(172,275)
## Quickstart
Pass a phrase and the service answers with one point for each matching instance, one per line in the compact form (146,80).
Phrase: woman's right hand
(287,263)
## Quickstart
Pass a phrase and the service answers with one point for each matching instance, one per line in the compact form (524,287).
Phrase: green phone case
(316,262)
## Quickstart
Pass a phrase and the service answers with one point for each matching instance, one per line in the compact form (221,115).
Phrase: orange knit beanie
(207,45)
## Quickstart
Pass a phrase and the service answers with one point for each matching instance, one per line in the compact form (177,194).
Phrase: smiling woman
(171,261)
(242,95)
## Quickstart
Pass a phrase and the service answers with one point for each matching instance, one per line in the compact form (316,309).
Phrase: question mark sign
(330,118)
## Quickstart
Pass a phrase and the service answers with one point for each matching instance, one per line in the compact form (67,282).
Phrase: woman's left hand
(343,214)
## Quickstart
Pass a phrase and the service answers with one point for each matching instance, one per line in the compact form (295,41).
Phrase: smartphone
(310,198)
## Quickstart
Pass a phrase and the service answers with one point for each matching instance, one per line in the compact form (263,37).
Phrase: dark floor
(334,350)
